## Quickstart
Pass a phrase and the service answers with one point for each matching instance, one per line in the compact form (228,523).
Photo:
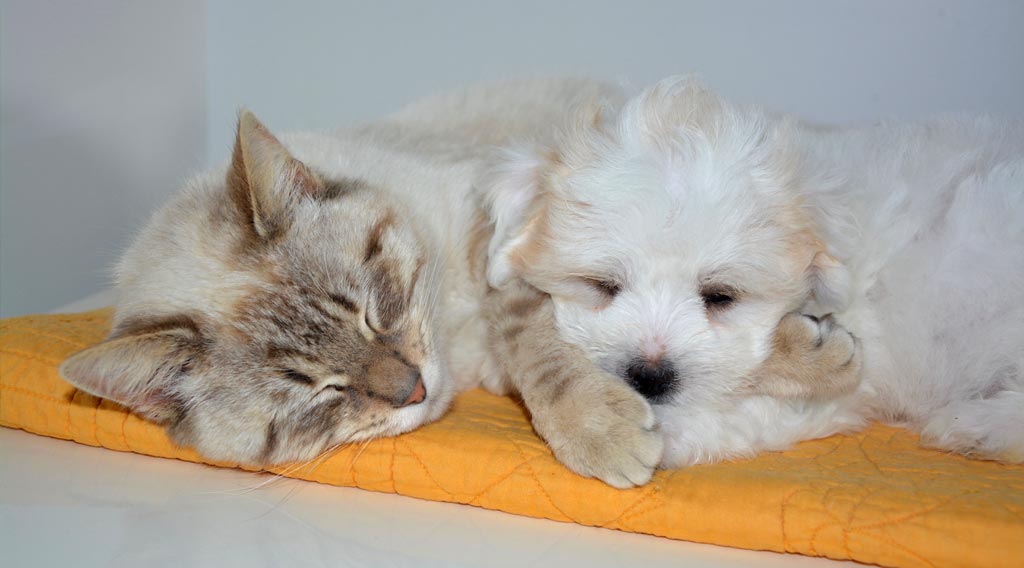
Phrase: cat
(322,289)
(308,293)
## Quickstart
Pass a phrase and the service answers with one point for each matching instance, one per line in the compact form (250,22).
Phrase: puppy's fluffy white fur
(911,234)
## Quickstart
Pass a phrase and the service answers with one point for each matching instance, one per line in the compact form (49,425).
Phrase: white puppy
(675,233)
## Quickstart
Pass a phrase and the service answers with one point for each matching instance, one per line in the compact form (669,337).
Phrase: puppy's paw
(603,429)
(811,358)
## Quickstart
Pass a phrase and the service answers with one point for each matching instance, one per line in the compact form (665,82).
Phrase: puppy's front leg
(594,423)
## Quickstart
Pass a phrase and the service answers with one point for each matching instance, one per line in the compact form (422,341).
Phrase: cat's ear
(140,369)
(264,180)
(514,197)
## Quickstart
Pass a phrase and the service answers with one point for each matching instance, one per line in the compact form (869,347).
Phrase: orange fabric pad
(872,497)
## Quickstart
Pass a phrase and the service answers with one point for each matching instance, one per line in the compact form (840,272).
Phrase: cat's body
(318,290)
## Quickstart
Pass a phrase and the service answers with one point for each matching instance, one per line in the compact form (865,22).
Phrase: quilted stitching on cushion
(873,497)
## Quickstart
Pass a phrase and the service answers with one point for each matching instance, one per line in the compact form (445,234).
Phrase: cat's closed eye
(298,377)
(333,388)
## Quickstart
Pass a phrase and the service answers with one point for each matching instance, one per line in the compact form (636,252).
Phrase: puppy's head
(672,236)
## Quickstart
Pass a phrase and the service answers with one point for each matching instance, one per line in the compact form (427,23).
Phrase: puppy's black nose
(656,380)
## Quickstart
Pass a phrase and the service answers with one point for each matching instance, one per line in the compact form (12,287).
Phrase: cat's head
(273,314)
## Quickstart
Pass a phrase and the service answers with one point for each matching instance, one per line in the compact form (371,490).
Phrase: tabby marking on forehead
(276,352)
(373,244)
(340,188)
(387,289)
(316,304)
(291,321)
(414,279)
(344,301)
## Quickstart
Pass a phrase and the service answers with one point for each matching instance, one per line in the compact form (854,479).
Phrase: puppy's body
(675,234)
(928,220)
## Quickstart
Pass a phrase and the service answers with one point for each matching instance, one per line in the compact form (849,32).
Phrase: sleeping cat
(306,295)
(331,288)
(274,310)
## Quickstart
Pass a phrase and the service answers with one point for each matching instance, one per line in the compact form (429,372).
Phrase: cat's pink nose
(419,392)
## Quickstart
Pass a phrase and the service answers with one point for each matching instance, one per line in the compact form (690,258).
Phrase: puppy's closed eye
(595,292)
(718,297)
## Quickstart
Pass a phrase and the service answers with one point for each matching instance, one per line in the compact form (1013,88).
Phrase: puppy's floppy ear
(264,180)
(513,198)
(829,282)
(520,189)
(139,369)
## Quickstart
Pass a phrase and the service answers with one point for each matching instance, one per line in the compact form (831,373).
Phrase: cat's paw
(826,345)
(811,358)
(603,429)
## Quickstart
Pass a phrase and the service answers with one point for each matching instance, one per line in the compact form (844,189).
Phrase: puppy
(681,237)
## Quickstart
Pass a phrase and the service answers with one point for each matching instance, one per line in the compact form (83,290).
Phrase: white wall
(102,113)
(107,105)
(317,64)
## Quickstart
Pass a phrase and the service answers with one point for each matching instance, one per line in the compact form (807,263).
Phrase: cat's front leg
(594,423)
(811,358)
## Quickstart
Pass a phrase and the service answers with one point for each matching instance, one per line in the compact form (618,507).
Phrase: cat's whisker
(249,488)
(284,474)
(324,456)
(355,458)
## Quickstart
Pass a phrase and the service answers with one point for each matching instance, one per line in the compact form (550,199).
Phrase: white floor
(62,503)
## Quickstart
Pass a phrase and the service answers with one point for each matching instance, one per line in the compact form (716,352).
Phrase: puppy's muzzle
(655,380)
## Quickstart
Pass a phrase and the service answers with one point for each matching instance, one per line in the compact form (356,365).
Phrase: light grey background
(108,105)
(102,113)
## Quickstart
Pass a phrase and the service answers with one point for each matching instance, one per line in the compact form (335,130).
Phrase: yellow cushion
(873,497)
